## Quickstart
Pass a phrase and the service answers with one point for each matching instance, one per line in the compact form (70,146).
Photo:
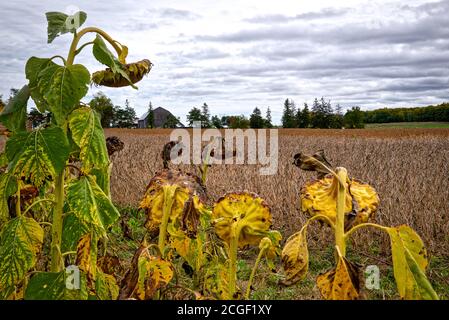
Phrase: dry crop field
(408,167)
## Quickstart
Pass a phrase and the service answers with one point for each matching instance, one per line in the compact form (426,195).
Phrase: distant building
(162,118)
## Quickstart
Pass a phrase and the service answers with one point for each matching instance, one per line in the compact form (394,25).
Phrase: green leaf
(60,23)
(32,69)
(103,178)
(21,239)
(63,87)
(38,154)
(88,134)
(14,115)
(91,205)
(106,286)
(62,285)
(8,187)
(409,263)
(106,57)
(72,230)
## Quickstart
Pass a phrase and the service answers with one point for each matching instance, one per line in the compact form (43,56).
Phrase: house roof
(161,115)
(145,115)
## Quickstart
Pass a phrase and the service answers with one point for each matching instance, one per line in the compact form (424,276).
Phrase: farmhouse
(162,119)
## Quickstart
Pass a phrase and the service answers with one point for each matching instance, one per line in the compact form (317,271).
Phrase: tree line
(112,116)
(320,115)
(202,115)
(420,114)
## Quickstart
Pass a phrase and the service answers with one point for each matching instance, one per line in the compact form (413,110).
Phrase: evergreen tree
(150,117)
(288,115)
(256,120)
(205,116)
(171,122)
(317,114)
(303,117)
(268,121)
(322,114)
(294,123)
(124,117)
(194,115)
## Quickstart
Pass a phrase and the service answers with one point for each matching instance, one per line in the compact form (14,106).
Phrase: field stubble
(409,169)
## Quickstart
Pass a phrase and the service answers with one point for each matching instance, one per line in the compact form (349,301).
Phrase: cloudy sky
(239,54)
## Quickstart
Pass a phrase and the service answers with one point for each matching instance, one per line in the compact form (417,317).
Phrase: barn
(161,118)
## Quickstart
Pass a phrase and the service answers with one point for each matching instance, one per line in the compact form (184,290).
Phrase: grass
(408,125)
(266,283)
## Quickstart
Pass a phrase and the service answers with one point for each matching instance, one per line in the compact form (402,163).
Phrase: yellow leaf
(216,280)
(86,256)
(154,273)
(146,275)
(248,211)
(123,54)
(295,258)
(409,263)
(341,283)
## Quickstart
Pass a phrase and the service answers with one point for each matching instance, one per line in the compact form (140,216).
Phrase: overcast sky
(236,55)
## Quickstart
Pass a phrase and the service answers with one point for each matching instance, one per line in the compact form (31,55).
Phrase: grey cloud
(425,29)
(418,85)
(353,60)
(172,13)
(326,13)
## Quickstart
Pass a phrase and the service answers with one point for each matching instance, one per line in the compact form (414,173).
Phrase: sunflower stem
(233,246)
(169,195)
(340,222)
(57,222)
(77,37)
(253,272)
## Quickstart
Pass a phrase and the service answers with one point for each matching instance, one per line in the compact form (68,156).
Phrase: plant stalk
(81,33)
(233,246)
(253,272)
(169,197)
(57,222)
(340,222)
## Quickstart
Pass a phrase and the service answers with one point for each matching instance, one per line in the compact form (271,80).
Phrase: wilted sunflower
(320,197)
(134,72)
(187,199)
(245,211)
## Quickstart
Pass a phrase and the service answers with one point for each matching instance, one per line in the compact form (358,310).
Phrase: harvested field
(408,167)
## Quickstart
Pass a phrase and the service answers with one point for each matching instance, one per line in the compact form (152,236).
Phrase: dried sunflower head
(246,211)
(187,204)
(320,197)
(134,72)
